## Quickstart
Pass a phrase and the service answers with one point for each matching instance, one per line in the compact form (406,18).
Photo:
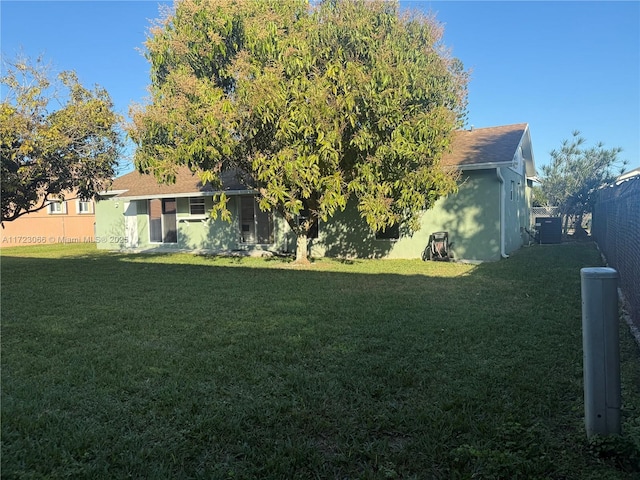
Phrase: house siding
(471,217)
(41,227)
(487,218)
(193,232)
(517,209)
(110,227)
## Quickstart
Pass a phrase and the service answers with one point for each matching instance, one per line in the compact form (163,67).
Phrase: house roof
(472,149)
(141,185)
(483,146)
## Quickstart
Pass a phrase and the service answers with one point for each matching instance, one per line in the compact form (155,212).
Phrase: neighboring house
(71,221)
(486,219)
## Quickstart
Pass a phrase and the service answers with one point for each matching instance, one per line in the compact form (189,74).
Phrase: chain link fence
(544,212)
(616,228)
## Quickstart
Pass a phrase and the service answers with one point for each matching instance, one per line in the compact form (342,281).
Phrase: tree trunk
(301,249)
(578,231)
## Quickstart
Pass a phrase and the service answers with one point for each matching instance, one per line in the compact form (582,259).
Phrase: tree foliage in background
(314,104)
(538,198)
(575,173)
(56,138)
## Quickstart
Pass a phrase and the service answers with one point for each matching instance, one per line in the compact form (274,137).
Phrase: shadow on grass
(184,366)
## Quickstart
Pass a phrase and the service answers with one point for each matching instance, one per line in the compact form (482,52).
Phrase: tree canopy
(56,138)
(314,104)
(575,173)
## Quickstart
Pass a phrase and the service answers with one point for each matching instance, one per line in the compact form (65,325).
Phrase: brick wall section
(616,228)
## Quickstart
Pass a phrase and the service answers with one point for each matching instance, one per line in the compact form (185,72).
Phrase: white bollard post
(601,350)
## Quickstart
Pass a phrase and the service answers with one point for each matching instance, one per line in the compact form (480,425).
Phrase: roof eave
(481,166)
(529,162)
(111,192)
(185,194)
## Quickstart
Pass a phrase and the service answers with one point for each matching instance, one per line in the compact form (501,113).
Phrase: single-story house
(486,219)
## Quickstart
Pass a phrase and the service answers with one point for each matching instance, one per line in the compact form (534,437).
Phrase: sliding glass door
(256,226)
(162,221)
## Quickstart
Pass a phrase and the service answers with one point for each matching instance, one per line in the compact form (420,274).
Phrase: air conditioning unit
(549,230)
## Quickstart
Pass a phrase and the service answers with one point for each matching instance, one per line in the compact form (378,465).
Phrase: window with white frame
(84,207)
(196,206)
(57,207)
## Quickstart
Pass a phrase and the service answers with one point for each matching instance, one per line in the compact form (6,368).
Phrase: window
(84,207)
(390,233)
(155,220)
(513,185)
(196,206)
(162,220)
(256,226)
(169,224)
(56,207)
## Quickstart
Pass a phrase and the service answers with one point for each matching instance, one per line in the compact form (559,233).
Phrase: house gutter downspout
(503,254)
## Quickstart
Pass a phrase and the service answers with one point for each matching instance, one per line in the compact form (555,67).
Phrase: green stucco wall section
(517,209)
(194,233)
(109,225)
(205,233)
(471,217)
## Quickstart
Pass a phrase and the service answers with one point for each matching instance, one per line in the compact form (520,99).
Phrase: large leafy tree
(56,138)
(315,105)
(575,173)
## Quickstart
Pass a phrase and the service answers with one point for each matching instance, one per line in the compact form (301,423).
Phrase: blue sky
(559,66)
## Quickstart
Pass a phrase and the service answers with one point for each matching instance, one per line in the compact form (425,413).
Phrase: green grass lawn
(182,366)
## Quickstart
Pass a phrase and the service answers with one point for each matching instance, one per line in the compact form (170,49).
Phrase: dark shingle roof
(484,145)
